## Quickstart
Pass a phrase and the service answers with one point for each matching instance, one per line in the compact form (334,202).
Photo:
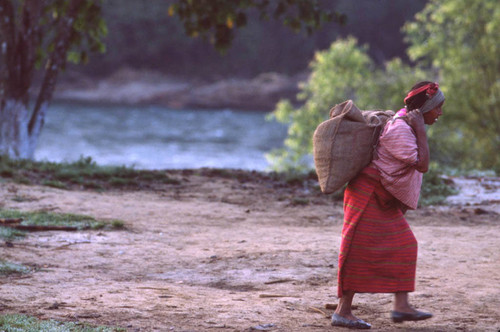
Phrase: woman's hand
(416,121)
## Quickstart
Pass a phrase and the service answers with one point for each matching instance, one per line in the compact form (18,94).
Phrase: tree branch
(29,42)
(56,61)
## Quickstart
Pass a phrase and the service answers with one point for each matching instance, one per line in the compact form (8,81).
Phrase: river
(151,137)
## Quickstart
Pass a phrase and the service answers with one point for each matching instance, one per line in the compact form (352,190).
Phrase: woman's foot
(403,311)
(352,322)
(343,315)
(415,315)
(346,315)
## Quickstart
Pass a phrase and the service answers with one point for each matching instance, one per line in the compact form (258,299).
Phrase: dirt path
(208,256)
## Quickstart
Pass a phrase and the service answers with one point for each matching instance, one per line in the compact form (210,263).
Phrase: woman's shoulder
(398,126)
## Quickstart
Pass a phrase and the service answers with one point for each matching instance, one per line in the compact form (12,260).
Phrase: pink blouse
(395,158)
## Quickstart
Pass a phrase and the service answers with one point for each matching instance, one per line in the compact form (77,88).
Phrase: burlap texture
(343,145)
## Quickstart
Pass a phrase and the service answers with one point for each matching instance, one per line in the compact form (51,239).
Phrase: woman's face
(431,117)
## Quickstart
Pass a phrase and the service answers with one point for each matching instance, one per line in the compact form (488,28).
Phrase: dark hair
(417,100)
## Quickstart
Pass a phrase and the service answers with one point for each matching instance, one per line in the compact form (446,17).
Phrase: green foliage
(44,34)
(454,42)
(86,35)
(38,38)
(344,71)
(336,73)
(216,19)
(461,40)
(143,36)
(385,87)
(435,188)
(15,323)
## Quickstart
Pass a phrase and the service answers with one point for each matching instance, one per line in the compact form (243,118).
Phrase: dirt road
(217,254)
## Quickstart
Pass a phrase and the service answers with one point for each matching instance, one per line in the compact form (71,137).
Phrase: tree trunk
(20,126)
(15,139)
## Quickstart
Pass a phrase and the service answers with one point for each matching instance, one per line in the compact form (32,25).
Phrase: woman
(378,252)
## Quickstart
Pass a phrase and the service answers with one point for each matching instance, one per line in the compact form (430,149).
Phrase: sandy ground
(216,254)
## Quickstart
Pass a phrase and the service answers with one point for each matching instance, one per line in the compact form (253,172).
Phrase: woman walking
(378,252)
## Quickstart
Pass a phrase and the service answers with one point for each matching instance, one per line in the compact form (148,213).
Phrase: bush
(435,188)
(344,71)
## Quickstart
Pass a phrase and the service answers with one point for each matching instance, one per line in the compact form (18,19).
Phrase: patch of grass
(54,184)
(294,178)
(22,180)
(217,172)
(122,181)
(156,176)
(8,233)
(43,218)
(84,173)
(299,201)
(23,198)
(92,185)
(98,225)
(118,224)
(15,323)
(241,176)
(8,268)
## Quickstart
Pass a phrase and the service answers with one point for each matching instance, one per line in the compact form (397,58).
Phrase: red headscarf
(430,89)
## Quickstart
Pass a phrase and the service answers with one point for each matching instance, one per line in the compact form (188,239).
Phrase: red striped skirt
(378,252)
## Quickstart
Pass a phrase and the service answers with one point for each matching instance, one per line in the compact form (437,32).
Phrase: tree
(460,38)
(38,37)
(452,41)
(141,30)
(216,19)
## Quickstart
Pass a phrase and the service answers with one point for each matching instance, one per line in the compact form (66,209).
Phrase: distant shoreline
(131,87)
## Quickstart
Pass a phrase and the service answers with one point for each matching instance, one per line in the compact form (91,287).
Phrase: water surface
(152,137)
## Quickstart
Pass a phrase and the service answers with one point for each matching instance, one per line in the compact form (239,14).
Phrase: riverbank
(131,87)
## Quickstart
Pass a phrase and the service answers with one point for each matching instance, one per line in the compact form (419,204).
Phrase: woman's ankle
(401,302)
(406,309)
(344,308)
(346,314)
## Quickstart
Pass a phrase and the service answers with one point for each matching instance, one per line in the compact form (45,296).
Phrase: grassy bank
(87,175)
(82,174)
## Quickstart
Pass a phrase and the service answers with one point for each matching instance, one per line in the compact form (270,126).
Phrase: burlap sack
(343,145)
